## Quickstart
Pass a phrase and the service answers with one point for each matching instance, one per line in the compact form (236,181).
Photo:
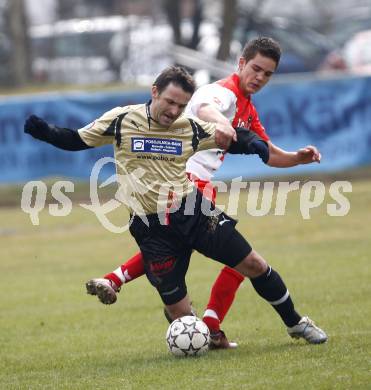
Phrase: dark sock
(271,287)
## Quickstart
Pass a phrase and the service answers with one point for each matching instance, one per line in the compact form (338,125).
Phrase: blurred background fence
(69,61)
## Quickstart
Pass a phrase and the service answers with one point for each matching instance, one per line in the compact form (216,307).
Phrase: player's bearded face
(255,73)
(168,105)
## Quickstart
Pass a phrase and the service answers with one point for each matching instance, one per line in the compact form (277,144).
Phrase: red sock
(128,271)
(221,297)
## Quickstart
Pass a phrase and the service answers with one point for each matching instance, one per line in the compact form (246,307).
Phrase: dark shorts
(167,249)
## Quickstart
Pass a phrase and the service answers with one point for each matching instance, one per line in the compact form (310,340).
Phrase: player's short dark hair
(176,75)
(265,46)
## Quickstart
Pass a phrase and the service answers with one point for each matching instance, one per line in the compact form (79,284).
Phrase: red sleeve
(256,125)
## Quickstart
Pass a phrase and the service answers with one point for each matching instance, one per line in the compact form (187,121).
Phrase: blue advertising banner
(334,115)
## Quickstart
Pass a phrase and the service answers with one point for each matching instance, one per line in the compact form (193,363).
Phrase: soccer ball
(188,336)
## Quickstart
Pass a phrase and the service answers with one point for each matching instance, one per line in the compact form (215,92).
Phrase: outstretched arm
(61,138)
(280,158)
(272,156)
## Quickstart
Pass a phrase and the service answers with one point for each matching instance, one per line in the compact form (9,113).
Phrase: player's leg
(165,259)
(221,298)
(170,282)
(106,288)
(213,239)
(269,285)
(222,241)
(130,270)
(179,309)
(224,288)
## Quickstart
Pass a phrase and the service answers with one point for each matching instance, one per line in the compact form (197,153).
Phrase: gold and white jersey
(150,159)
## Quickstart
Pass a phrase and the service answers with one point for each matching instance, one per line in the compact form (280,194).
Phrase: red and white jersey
(226,96)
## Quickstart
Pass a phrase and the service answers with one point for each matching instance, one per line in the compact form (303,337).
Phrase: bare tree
(20,53)
(173,10)
(251,14)
(196,22)
(229,21)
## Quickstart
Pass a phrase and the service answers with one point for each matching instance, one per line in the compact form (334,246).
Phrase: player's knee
(252,265)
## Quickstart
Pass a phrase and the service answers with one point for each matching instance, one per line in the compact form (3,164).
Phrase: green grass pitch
(54,336)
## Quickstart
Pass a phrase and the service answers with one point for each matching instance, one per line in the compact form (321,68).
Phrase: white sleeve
(221,98)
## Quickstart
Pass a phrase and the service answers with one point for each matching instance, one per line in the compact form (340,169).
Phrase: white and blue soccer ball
(188,336)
